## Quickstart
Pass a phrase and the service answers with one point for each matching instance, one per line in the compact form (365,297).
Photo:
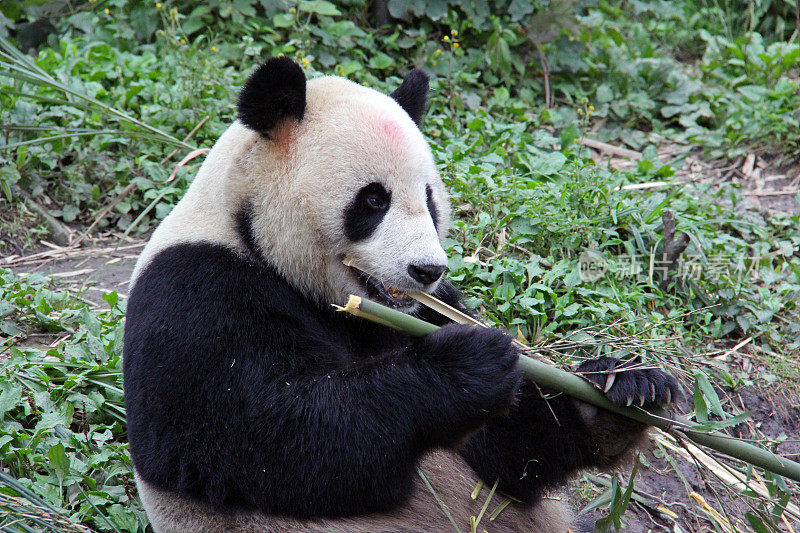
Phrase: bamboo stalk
(554,378)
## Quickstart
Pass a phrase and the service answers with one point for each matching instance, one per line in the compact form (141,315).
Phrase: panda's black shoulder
(201,282)
(209,299)
(195,301)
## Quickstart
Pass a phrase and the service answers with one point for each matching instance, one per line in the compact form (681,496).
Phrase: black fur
(244,227)
(362,217)
(633,381)
(274,92)
(431,206)
(520,450)
(243,393)
(412,95)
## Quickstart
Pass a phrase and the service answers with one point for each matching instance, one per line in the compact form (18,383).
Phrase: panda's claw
(638,386)
(612,376)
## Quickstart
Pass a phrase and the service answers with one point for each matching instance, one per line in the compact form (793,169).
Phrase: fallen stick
(58,230)
(784,192)
(554,378)
(63,253)
(642,186)
(611,149)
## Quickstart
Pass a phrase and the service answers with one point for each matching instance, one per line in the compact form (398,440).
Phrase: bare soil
(102,266)
(768,182)
(670,482)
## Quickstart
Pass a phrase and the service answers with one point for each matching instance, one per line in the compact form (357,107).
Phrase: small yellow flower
(107,11)
(158,5)
(454,33)
(580,111)
(438,52)
(213,48)
(183,41)
(446,38)
(591,108)
(456,45)
(281,55)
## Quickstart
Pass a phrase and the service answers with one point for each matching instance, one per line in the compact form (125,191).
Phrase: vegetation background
(659,135)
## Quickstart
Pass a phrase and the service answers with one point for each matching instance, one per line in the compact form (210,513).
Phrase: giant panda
(253,406)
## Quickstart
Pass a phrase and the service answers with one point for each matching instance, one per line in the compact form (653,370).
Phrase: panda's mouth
(377,290)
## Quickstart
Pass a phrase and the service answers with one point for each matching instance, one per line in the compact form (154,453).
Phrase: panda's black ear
(412,95)
(275,91)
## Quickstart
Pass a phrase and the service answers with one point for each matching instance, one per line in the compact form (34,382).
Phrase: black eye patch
(365,213)
(431,206)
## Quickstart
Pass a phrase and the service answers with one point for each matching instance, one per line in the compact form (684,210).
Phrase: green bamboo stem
(554,378)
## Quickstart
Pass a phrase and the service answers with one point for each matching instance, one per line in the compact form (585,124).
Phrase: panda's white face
(353,179)
(320,171)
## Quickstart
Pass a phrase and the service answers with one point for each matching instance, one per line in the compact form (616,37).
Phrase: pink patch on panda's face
(390,131)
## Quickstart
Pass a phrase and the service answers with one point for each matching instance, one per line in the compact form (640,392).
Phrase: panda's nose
(426,274)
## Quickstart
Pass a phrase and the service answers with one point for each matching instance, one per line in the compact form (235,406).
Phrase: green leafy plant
(62,413)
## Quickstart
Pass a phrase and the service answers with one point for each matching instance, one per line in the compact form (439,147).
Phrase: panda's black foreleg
(547,438)
(358,431)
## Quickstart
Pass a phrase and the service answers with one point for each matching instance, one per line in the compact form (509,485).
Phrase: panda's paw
(631,382)
(480,363)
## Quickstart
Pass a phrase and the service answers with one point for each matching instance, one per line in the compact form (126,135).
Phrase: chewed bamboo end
(353,304)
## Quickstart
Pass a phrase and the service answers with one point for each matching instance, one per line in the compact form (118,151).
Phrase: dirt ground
(670,482)
(768,182)
(95,268)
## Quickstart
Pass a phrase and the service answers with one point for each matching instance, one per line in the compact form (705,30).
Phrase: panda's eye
(366,211)
(377,201)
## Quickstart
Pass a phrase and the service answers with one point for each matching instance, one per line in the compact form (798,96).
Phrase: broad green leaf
(381,61)
(319,7)
(349,67)
(283,20)
(709,394)
(58,461)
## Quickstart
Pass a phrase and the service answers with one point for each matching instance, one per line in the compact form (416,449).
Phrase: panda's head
(336,170)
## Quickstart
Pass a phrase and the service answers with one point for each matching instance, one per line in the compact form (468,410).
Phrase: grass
(62,438)
(98,108)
